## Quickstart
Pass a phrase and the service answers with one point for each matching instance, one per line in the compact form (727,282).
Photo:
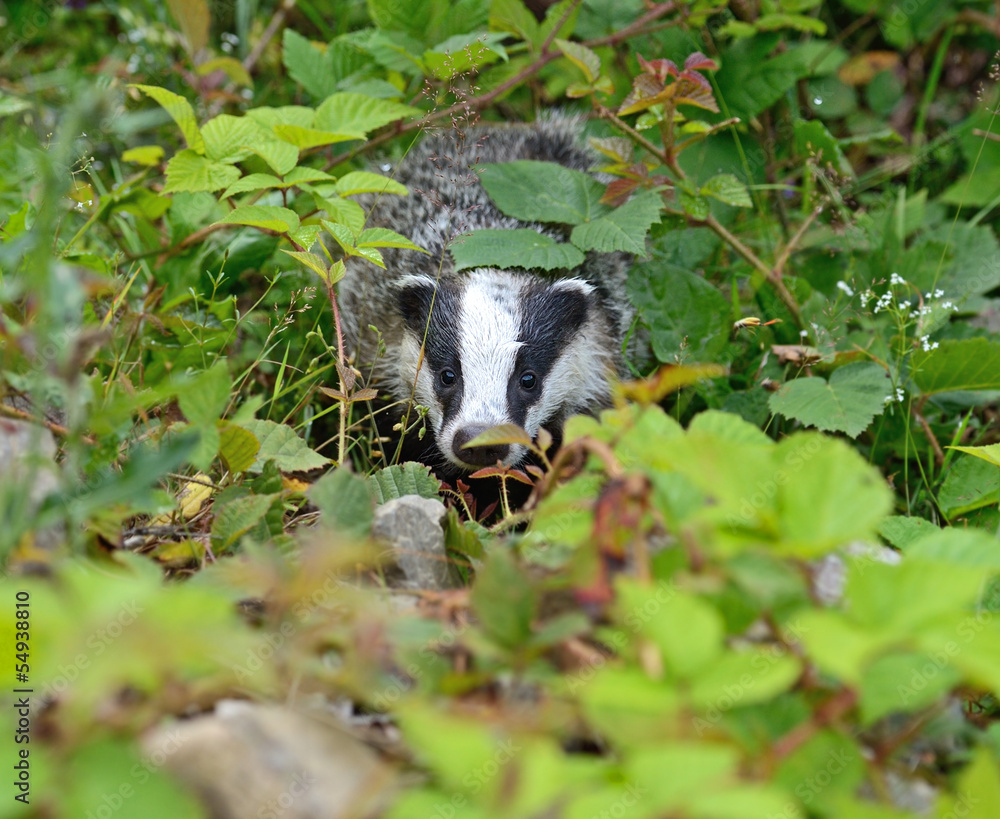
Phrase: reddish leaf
(701,62)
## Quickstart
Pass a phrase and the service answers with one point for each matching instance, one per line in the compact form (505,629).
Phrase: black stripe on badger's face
(440,382)
(552,314)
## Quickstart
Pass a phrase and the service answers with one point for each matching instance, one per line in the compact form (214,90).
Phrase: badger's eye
(528,380)
(447,377)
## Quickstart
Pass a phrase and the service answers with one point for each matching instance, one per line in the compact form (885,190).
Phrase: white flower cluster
(926,344)
(898,397)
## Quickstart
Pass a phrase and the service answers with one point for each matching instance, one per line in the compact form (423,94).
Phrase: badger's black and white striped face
(501,348)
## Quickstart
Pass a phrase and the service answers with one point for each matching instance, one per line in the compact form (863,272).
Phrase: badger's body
(482,347)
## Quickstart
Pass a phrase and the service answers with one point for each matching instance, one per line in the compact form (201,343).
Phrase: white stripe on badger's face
(489,327)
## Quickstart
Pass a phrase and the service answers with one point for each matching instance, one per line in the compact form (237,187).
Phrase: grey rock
(249,760)
(28,473)
(411,526)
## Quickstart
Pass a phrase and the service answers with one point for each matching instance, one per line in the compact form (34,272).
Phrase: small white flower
(926,344)
(895,278)
(846,288)
(803,333)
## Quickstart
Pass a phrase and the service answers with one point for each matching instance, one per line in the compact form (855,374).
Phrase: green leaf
(252,182)
(367,182)
(403,479)
(624,228)
(695,206)
(344,502)
(989,453)
(463,53)
(968,364)
(230,139)
(307,65)
(238,518)
(513,16)
(194,20)
(681,308)
(305,236)
(957,547)
(799,22)
(819,478)
(899,683)
(357,114)
(189,172)
(901,531)
(847,403)
(970,484)
(310,260)
(383,237)
(280,155)
(280,444)
(543,192)
(812,139)
(204,399)
(687,630)
(237,448)
(728,189)
(521,247)
(266,217)
(305,138)
(504,600)
(744,678)
(582,57)
(181,112)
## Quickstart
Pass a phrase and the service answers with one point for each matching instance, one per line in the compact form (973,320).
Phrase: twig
(775,280)
(272,28)
(926,427)
(51,426)
(786,252)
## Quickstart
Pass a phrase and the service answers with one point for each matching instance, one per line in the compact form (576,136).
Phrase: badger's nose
(477,455)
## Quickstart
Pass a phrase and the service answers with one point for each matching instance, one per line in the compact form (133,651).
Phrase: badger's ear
(414,297)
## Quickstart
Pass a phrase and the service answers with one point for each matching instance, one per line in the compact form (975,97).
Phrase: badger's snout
(477,455)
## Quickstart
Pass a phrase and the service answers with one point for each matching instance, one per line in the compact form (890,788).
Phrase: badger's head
(500,348)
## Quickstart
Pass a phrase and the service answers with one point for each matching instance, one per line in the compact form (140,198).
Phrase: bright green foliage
(854,395)
(809,190)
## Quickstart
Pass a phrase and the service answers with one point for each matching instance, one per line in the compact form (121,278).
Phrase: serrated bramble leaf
(694,206)
(341,234)
(300,176)
(582,57)
(190,172)
(266,217)
(543,191)
(252,182)
(305,138)
(237,518)
(367,182)
(619,149)
(345,212)
(848,403)
(403,479)
(369,253)
(624,228)
(228,138)
(181,112)
(310,260)
(304,236)
(728,189)
(383,237)
(521,247)
(307,65)
(280,444)
(281,156)
(358,114)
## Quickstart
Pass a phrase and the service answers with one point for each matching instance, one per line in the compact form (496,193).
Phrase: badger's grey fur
(483,347)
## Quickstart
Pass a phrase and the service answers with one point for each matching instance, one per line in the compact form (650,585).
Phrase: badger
(485,346)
